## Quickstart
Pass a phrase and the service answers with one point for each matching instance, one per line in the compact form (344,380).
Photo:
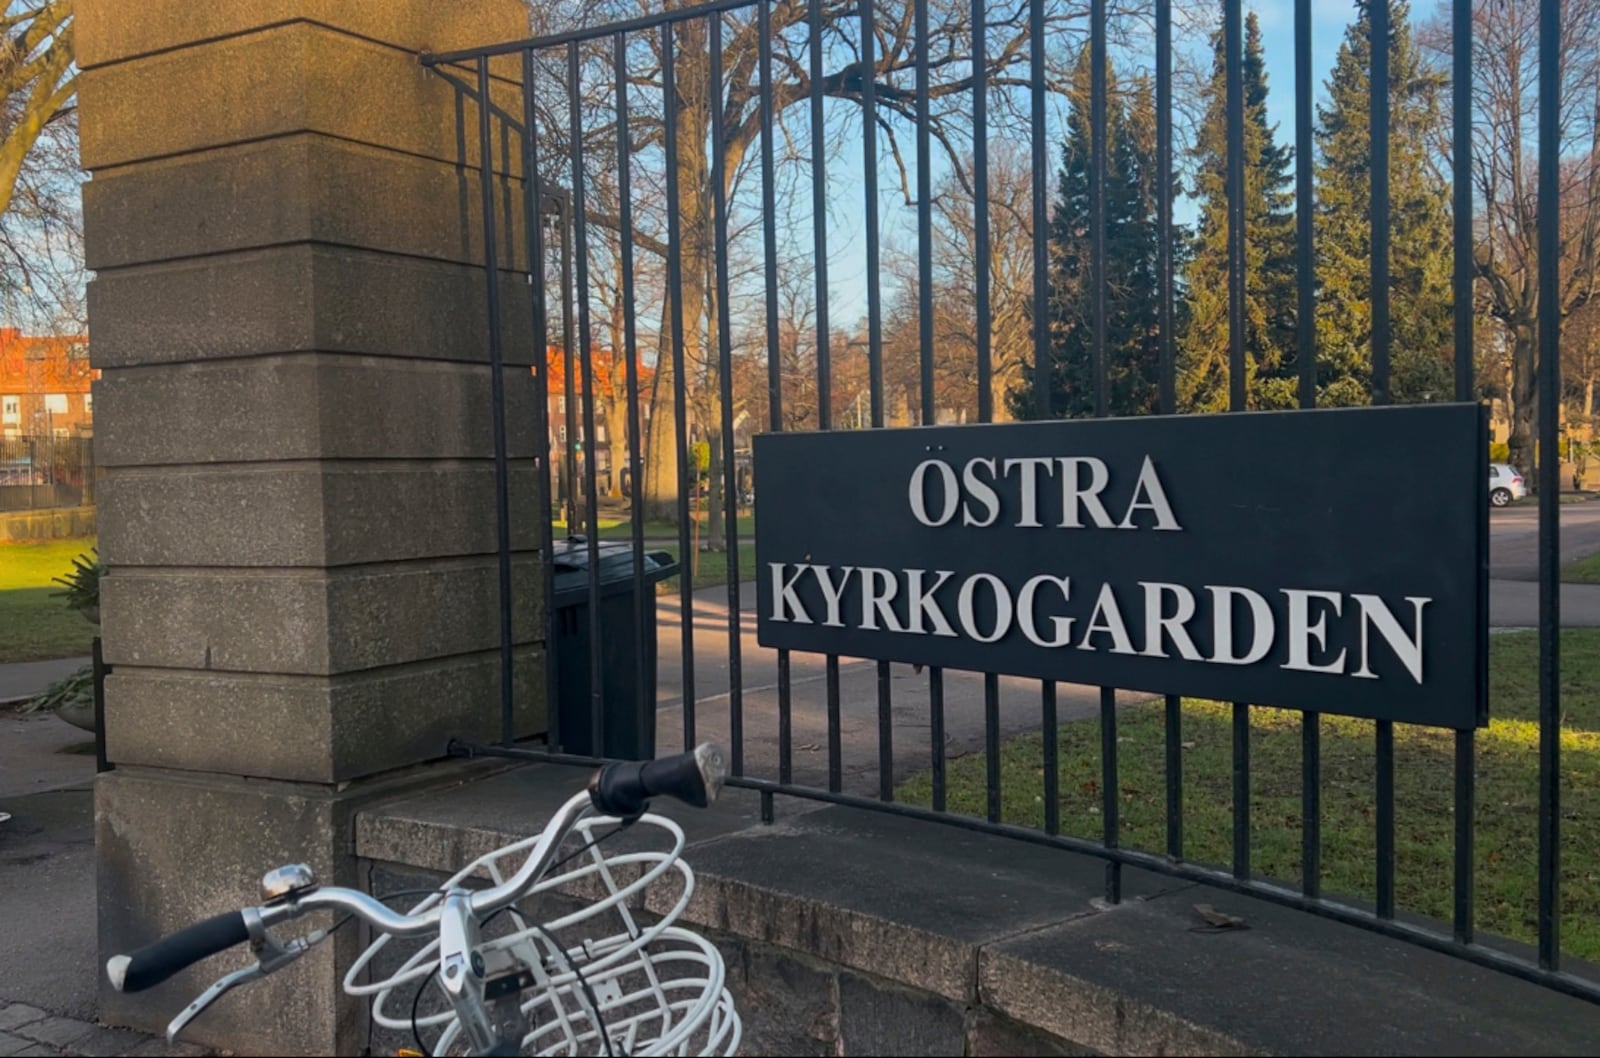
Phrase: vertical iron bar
(835,750)
(819,219)
(533,191)
(819,241)
(1098,76)
(885,734)
(645,695)
(1311,804)
(1385,819)
(936,733)
(497,397)
(1241,790)
(1164,263)
(1306,335)
(785,721)
(1174,730)
(869,158)
(580,223)
(1041,221)
(869,151)
(1168,373)
(1042,359)
(1234,58)
(101,763)
(1305,229)
(1052,759)
(1378,211)
(769,236)
(980,210)
(730,486)
(1097,203)
(1233,44)
(924,220)
(1461,151)
(769,219)
(991,743)
(925,301)
(1549,460)
(980,248)
(669,95)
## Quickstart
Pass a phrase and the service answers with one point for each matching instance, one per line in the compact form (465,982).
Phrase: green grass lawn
(1583,571)
(714,569)
(622,528)
(1507,785)
(33,625)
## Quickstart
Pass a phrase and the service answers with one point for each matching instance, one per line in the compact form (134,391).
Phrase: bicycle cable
(416,998)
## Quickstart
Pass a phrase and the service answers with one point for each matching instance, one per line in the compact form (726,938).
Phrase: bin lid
(570,562)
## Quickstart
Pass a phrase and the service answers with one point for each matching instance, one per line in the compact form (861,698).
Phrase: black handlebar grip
(154,963)
(625,789)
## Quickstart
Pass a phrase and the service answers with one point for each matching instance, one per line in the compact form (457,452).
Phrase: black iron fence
(37,473)
(689,140)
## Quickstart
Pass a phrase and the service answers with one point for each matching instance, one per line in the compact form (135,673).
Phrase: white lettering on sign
(918,492)
(1025,612)
(1374,611)
(1159,625)
(1302,631)
(1243,629)
(1086,486)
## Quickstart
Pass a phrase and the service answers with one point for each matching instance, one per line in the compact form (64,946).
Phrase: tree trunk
(1525,342)
(617,427)
(715,538)
(661,485)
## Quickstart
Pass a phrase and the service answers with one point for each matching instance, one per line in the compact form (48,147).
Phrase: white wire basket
(605,983)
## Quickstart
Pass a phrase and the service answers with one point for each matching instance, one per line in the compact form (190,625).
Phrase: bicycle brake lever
(271,957)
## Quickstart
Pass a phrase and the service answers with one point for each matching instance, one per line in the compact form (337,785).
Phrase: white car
(1505,484)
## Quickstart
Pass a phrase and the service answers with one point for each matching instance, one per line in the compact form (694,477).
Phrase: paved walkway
(21,680)
(28,1030)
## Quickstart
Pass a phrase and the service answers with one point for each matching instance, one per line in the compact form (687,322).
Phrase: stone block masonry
(298,513)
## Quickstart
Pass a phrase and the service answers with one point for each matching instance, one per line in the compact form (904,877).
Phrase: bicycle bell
(284,882)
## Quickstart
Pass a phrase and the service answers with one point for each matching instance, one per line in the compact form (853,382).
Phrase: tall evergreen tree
(1132,231)
(1269,247)
(1420,295)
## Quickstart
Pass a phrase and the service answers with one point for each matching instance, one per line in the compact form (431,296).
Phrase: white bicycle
(532,986)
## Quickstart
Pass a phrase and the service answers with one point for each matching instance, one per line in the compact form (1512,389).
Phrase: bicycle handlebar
(623,790)
(154,963)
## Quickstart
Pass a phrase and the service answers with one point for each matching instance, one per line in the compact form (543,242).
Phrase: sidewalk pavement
(21,680)
(1515,604)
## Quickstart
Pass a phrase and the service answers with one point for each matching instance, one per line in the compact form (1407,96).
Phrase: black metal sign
(1332,560)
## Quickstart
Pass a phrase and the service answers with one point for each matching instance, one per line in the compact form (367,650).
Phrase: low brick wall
(60,523)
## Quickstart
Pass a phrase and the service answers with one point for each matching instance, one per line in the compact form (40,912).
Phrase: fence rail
(649,97)
(39,473)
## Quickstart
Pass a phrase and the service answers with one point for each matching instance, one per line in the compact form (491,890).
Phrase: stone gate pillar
(298,508)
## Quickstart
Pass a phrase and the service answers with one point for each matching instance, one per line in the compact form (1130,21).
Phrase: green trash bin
(629,721)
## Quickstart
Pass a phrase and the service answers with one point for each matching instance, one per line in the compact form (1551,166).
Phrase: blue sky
(846,245)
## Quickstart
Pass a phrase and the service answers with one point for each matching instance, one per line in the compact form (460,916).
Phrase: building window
(55,403)
(10,409)
(88,403)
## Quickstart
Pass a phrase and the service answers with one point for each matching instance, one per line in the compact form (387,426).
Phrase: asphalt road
(1514,538)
